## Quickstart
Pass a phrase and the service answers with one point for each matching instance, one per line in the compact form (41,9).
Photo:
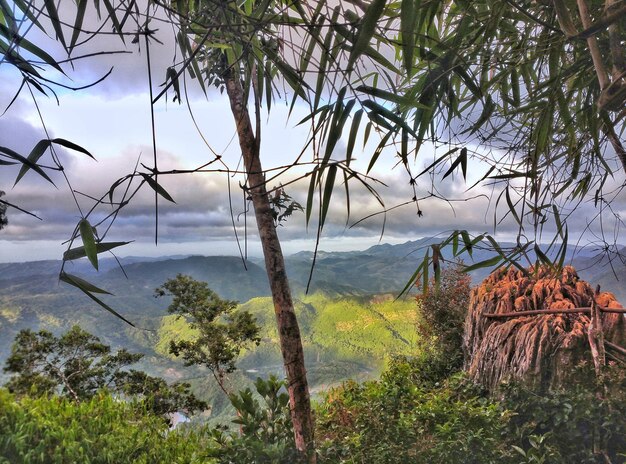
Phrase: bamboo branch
(615,44)
(564,19)
(595,336)
(615,358)
(617,348)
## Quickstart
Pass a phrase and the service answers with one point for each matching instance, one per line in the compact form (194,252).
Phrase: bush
(568,424)
(443,307)
(99,430)
(396,420)
(265,432)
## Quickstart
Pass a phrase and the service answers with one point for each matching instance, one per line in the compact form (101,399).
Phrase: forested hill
(32,297)
(349,291)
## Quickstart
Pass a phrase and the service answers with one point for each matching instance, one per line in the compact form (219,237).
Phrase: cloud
(112,120)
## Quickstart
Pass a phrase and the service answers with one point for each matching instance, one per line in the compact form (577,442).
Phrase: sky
(112,121)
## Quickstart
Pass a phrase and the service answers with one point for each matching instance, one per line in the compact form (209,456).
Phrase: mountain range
(348,291)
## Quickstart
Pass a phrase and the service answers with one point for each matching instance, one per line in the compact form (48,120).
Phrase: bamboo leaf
(26,9)
(543,257)
(366,30)
(483,264)
(113,17)
(408,20)
(72,146)
(81,283)
(89,241)
(115,185)
(311,194)
(88,289)
(412,280)
(157,187)
(467,242)
(378,151)
(562,253)
(31,47)
(512,207)
(461,160)
(377,109)
(354,129)
(394,97)
(56,22)
(78,23)
(328,191)
(34,155)
(101,247)
(11,154)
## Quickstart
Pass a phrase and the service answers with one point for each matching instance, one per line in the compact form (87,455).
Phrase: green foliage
(443,307)
(568,424)
(265,434)
(221,331)
(283,206)
(78,366)
(406,417)
(99,430)
(394,420)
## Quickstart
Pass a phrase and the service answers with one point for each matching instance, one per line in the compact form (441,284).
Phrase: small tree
(77,365)
(223,331)
(443,309)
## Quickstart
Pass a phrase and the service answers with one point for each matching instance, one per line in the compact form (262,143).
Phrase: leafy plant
(443,306)
(78,366)
(222,331)
(397,420)
(99,430)
(574,424)
(265,430)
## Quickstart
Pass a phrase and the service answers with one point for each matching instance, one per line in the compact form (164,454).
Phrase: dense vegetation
(422,409)
(101,430)
(402,417)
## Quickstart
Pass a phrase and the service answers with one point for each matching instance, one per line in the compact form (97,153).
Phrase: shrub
(444,306)
(571,423)
(397,420)
(265,432)
(99,430)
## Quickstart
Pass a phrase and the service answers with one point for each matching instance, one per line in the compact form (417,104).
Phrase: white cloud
(112,120)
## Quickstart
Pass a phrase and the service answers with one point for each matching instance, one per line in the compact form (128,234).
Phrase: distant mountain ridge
(379,269)
(336,312)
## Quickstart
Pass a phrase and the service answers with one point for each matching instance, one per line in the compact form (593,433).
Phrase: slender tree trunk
(289,332)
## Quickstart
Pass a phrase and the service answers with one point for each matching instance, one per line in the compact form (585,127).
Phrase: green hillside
(359,330)
(347,337)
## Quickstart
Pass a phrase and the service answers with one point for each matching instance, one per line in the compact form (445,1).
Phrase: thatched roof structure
(540,350)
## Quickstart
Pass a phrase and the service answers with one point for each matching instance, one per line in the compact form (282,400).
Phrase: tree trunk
(289,332)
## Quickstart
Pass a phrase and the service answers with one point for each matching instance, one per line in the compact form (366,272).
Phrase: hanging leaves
(89,241)
(89,290)
(367,28)
(157,187)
